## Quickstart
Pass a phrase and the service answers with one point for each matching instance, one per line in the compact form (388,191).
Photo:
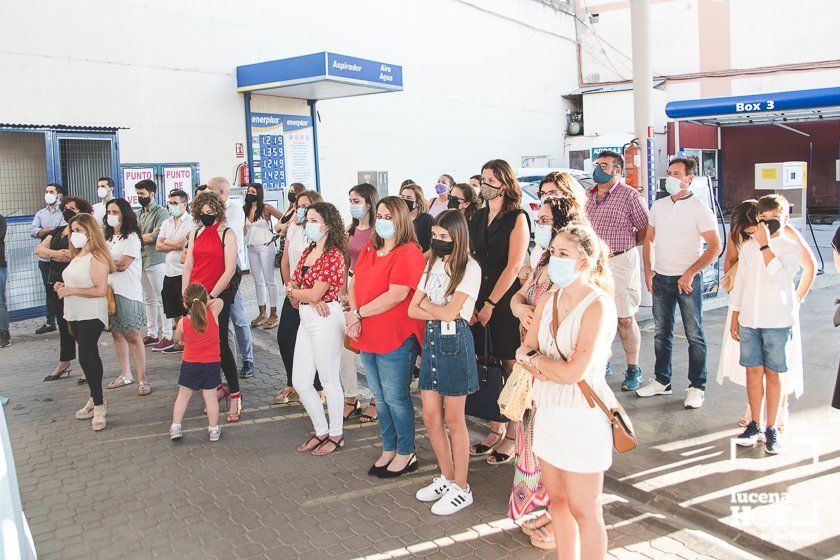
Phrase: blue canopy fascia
(808,104)
(317,76)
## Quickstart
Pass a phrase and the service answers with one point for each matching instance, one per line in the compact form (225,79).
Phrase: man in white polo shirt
(674,258)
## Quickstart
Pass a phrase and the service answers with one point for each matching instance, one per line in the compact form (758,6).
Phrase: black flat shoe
(374,470)
(409,467)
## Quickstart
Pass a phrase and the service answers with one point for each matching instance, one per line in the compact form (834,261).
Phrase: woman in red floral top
(315,286)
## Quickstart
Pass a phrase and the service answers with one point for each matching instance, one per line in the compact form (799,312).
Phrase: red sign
(240,150)
(650,132)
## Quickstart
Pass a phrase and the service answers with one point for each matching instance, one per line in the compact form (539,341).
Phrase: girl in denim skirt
(202,358)
(445,299)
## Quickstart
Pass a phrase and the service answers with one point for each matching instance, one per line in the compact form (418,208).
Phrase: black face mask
(453,203)
(773,225)
(207,219)
(250,198)
(442,248)
(68,214)
(292,198)
(144,200)
(410,204)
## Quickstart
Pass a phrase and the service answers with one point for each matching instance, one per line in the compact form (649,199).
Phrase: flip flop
(120,381)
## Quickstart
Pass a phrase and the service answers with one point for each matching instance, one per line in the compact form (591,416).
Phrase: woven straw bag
(515,397)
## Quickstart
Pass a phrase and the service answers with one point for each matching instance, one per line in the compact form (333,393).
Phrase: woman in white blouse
(568,342)
(85,306)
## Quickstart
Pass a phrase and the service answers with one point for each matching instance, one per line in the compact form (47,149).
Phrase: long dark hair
(129,223)
(743,216)
(564,212)
(469,196)
(259,202)
(371,196)
(455,224)
(336,234)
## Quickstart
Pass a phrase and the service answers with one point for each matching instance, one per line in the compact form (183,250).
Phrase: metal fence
(83,161)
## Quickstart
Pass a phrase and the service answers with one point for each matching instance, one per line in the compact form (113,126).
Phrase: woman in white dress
(742,224)
(568,342)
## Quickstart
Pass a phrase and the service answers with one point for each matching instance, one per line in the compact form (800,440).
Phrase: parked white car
(529,179)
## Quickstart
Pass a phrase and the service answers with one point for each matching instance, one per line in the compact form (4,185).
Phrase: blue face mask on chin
(600,176)
(562,271)
(385,229)
(543,235)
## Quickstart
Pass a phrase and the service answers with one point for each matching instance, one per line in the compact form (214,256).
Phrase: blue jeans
(666,297)
(241,328)
(389,378)
(4,310)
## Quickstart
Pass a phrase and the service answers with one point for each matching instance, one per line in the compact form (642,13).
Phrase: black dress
(423,229)
(490,246)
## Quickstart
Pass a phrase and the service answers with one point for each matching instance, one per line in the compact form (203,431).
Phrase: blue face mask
(358,211)
(542,235)
(301,215)
(600,176)
(385,229)
(313,232)
(562,271)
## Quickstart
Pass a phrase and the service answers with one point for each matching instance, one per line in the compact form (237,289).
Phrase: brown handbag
(624,439)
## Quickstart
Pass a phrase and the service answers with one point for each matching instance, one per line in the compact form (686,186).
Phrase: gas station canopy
(317,76)
(761,108)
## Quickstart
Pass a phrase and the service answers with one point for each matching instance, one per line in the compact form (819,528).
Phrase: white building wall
(481,80)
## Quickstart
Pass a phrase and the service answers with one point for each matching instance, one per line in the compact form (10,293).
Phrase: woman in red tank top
(199,332)
(211,262)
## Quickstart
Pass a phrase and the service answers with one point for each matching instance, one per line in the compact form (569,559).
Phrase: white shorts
(627,279)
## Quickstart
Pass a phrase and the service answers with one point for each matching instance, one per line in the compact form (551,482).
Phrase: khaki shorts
(626,275)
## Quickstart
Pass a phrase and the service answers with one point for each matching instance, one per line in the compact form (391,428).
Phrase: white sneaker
(654,388)
(694,398)
(433,491)
(175,432)
(215,432)
(453,501)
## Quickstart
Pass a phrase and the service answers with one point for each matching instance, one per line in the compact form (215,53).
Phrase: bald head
(220,186)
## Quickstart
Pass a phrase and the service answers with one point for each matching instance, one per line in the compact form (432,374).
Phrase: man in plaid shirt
(619,216)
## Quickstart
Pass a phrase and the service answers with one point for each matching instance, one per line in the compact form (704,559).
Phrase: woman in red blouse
(316,284)
(384,279)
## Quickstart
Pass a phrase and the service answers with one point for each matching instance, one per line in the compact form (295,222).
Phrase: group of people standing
(417,287)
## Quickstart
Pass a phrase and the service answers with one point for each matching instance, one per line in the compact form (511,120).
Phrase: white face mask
(101,192)
(113,220)
(78,239)
(673,185)
(50,198)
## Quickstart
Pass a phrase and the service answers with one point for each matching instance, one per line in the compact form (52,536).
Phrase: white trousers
(318,348)
(349,380)
(156,322)
(261,261)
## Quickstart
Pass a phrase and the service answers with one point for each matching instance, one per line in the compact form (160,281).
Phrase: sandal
(223,396)
(529,526)
(235,412)
(270,322)
(366,418)
(98,422)
(481,449)
(312,444)
(143,389)
(86,412)
(259,320)
(497,458)
(335,445)
(286,395)
(543,538)
(82,380)
(56,376)
(120,381)
(355,409)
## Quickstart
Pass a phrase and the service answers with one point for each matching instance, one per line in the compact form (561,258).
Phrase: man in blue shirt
(44,222)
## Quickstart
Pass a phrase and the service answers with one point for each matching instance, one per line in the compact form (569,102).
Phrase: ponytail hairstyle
(743,216)
(596,252)
(455,224)
(195,300)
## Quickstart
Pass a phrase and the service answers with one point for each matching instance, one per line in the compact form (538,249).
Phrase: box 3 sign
(177,178)
(768,105)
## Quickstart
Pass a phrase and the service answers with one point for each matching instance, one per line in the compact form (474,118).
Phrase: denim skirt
(447,364)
